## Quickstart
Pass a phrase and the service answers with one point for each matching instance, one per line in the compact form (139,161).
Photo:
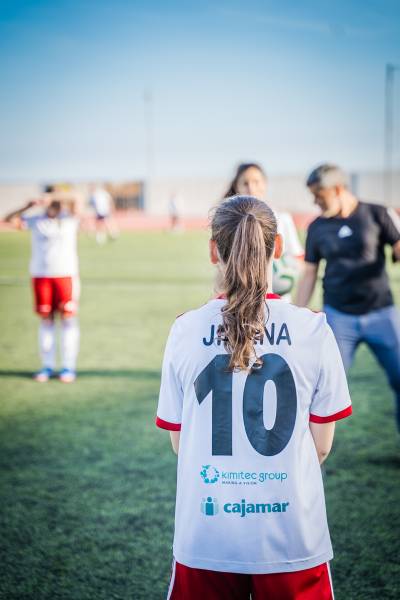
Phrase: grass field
(88,482)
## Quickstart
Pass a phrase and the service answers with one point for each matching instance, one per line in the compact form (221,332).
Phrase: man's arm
(306,283)
(322,434)
(389,222)
(396,251)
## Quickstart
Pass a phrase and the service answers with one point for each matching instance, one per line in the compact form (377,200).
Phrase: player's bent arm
(71,202)
(14,216)
(322,434)
(306,283)
(175,437)
(396,251)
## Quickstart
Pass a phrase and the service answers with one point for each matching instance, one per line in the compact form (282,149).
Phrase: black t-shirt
(355,279)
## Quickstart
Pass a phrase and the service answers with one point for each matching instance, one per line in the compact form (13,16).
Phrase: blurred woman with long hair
(251,179)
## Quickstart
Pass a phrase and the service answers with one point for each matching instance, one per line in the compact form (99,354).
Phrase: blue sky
(286,83)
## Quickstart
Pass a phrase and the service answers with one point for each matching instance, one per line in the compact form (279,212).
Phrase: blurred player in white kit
(102,203)
(55,277)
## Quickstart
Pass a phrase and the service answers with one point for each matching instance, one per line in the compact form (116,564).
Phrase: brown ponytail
(244,230)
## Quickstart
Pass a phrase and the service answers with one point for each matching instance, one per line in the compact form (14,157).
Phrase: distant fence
(192,198)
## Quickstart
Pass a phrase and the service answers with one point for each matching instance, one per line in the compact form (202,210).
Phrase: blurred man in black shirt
(351,236)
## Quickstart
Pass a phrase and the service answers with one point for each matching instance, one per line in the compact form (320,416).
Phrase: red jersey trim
(268,297)
(166,425)
(336,417)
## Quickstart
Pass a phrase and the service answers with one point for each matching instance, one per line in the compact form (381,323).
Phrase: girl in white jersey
(55,278)
(251,179)
(251,387)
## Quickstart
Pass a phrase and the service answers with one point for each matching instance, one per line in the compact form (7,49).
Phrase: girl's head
(243,240)
(249,180)
(54,209)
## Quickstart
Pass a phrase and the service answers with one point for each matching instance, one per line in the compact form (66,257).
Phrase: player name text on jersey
(274,334)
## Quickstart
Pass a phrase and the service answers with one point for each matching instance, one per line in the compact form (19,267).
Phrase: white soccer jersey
(54,246)
(287,228)
(101,201)
(250,496)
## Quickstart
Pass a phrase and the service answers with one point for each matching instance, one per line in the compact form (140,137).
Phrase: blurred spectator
(174,211)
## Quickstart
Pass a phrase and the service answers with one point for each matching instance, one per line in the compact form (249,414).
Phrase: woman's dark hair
(232,189)
(244,230)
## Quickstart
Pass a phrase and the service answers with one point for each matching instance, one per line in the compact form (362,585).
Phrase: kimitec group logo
(209,474)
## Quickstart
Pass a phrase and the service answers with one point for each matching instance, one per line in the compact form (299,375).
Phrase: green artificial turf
(88,482)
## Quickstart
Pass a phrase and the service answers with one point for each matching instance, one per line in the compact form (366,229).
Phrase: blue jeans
(380,330)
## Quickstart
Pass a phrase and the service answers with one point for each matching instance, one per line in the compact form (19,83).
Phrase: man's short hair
(326,176)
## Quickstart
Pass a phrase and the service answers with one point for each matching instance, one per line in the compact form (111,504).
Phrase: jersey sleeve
(291,242)
(170,402)
(331,400)
(29,221)
(312,253)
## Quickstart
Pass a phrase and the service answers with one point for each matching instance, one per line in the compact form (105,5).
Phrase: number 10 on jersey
(217,379)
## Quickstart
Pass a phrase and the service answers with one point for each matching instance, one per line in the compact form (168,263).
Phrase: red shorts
(200,584)
(55,294)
